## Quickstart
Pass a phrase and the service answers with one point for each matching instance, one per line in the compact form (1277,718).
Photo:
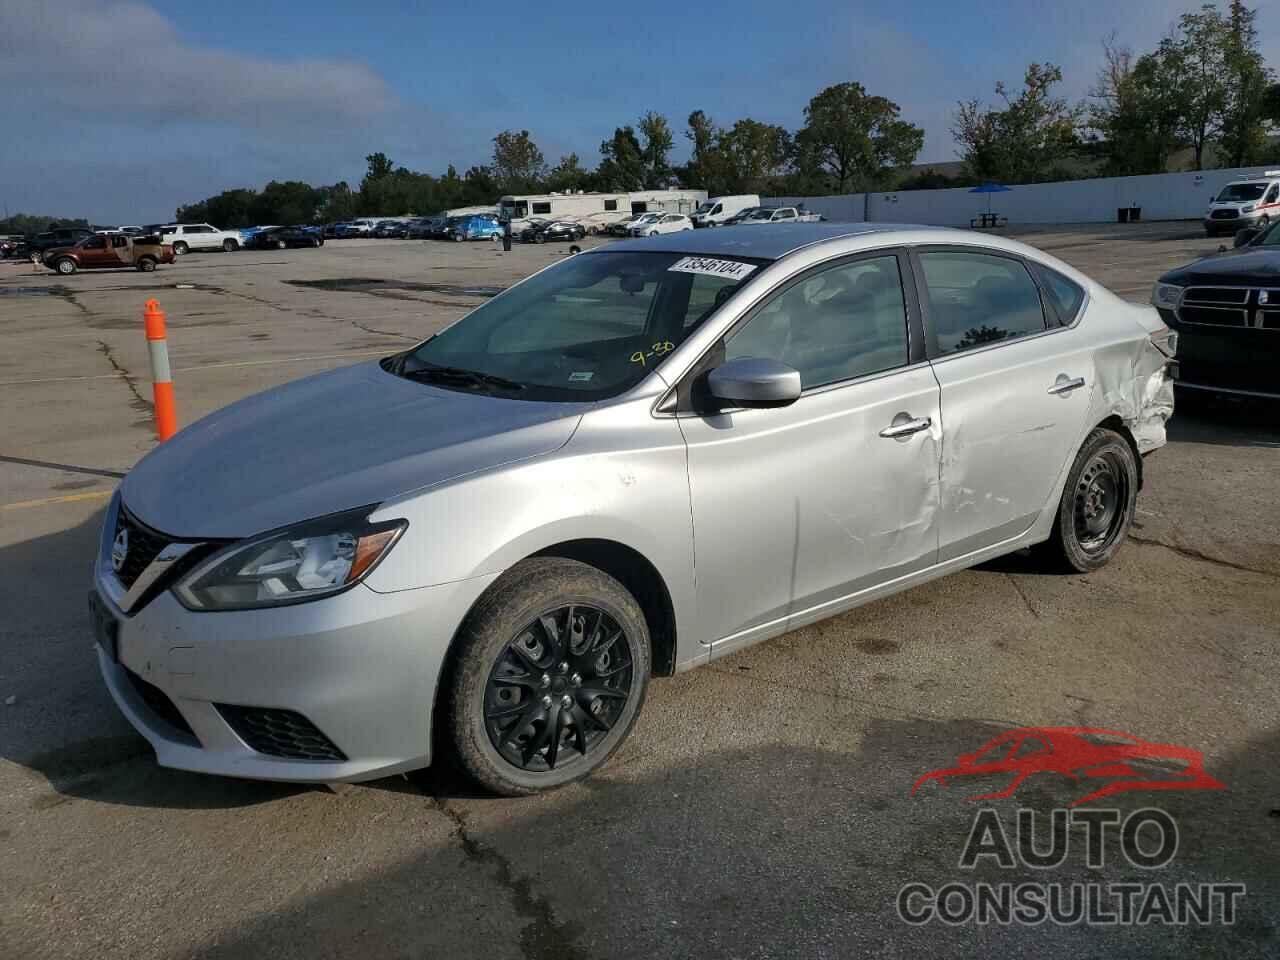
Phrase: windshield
(588,328)
(764,213)
(1242,191)
(704,207)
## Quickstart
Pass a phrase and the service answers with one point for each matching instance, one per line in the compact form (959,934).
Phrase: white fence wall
(1165,196)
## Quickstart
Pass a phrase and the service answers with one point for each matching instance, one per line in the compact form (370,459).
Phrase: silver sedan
(633,462)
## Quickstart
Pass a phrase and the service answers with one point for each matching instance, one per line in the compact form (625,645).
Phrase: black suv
(59,237)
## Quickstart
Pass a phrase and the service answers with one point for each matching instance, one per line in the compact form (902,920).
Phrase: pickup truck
(186,237)
(106,250)
(779,215)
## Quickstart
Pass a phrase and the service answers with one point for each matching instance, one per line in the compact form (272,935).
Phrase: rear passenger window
(1065,296)
(845,322)
(976,299)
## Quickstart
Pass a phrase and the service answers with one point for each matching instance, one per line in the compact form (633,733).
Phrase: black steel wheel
(547,676)
(1097,505)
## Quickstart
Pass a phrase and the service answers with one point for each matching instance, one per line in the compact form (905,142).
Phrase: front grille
(1215,306)
(1224,215)
(145,545)
(160,704)
(280,733)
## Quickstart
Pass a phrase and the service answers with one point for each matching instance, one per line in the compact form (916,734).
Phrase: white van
(1250,202)
(717,210)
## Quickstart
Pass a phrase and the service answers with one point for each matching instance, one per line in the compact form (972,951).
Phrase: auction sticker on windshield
(733,269)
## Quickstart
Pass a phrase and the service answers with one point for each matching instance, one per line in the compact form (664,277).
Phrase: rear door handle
(1065,385)
(905,428)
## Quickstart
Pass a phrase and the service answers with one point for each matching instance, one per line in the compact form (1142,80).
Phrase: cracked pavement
(762,807)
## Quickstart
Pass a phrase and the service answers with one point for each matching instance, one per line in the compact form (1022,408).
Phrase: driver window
(1272,194)
(844,322)
(96,243)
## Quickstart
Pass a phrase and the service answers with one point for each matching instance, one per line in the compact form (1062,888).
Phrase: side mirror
(1244,237)
(754,382)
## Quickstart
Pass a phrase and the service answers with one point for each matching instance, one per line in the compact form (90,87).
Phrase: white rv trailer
(595,211)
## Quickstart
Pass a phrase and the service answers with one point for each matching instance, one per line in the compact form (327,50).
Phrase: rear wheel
(280,244)
(65,266)
(180,248)
(549,673)
(1097,504)
(147,265)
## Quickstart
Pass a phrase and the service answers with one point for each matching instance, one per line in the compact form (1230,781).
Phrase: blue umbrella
(988,189)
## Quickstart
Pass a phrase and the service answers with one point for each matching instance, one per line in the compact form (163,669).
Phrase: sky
(121,111)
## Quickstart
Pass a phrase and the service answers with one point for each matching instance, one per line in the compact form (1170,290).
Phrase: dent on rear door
(1134,383)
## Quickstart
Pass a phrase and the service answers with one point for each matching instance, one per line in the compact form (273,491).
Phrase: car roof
(769,243)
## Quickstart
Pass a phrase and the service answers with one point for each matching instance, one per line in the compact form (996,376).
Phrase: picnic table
(988,220)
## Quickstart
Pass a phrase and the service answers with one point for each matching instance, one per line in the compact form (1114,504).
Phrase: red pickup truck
(105,250)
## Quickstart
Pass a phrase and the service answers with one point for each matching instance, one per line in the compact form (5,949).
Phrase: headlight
(1166,295)
(315,559)
(1248,209)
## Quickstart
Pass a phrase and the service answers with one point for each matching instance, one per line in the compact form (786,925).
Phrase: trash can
(1122,214)
(1135,214)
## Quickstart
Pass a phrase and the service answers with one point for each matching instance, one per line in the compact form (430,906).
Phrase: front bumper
(1231,224)
(361,666)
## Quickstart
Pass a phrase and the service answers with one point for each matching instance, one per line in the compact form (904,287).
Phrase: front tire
(66,266)
(1097,505)
(548,675)
(229,246)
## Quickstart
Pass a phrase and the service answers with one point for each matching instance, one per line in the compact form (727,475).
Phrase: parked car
(622,228)
(391,230)
(13,247)
(761,215)
(716,210)
(1226,310)
(639,225)
(665,223)
(553,230)
(277,238)
(425,228)
(353,228)
(185,237)
(109,250)
(475,228)
(513,533)
(58,237)
(1251,202)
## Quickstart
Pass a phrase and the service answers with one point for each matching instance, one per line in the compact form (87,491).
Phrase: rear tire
(180,249)
(1097,505)
(507,663)
(147,265)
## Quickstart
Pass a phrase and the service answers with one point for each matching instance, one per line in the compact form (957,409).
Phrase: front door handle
(904,426)
(1065,385)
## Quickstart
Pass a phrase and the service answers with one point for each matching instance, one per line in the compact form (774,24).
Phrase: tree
(290,202)
(518,165)
(228,210)
(1271,104)
(657,144)
(380,166)
(855,138)
(753,153)
(569,175)
(1241,130)
(1136,114)
(622,165)
(1026,141)
(704,168)
(335,203)
(478,186)
(1197,52)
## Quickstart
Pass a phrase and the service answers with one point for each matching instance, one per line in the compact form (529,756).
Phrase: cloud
(126,61)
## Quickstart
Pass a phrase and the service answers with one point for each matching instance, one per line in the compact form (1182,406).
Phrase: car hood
(1238,267)
(335,441)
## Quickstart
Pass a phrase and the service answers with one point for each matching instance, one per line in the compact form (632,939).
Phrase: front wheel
(549,674)
(65,266)
(1096,509)
(229,246)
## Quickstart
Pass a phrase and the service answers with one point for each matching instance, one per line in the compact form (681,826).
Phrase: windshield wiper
(456,374)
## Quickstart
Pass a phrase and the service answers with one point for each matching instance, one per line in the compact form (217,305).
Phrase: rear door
(1016,388)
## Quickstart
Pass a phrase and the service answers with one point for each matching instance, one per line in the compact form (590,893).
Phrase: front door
(796,509)
(96,252)
(1016,391)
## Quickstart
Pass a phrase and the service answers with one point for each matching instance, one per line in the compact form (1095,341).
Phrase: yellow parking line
(69,498)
